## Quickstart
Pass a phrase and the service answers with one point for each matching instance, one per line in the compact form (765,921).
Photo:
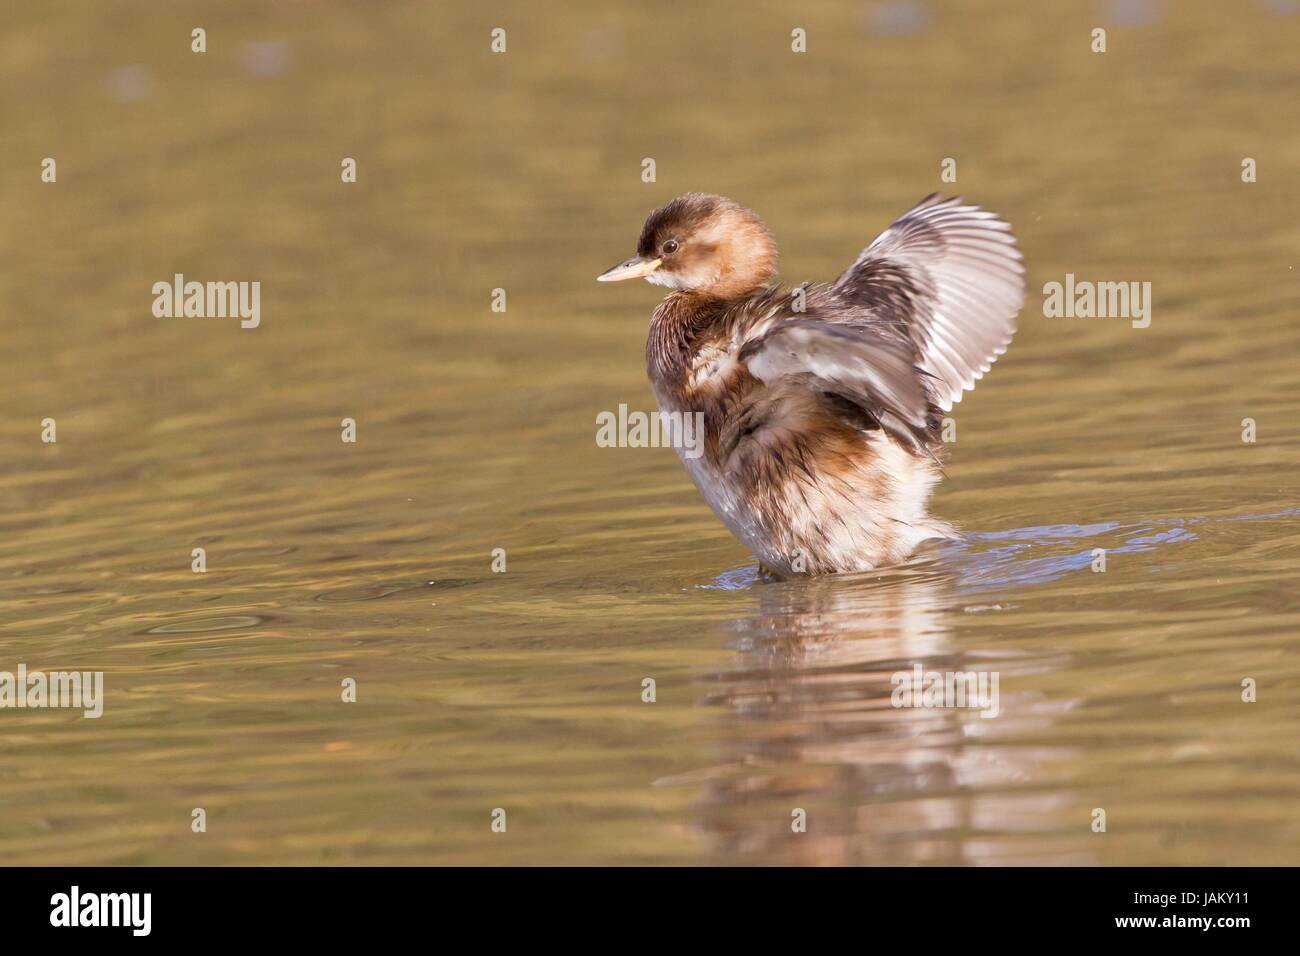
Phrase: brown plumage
(822,403)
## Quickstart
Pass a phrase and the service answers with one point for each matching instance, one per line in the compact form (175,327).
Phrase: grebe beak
(637,267)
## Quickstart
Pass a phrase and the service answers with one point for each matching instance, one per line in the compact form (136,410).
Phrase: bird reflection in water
(810,726)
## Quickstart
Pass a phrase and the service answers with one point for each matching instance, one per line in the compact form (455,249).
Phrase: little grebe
(822,405)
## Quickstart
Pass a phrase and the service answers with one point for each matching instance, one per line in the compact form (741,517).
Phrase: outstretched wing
(856,362)
(949,276)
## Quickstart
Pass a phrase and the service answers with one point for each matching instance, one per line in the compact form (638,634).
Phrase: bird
(822,404)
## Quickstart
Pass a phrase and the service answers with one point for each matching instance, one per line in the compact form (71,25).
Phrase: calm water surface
(1119,690)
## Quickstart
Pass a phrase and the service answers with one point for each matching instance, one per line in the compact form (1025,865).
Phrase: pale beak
(635,268)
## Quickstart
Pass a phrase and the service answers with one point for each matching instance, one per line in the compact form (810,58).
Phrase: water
(1118,690)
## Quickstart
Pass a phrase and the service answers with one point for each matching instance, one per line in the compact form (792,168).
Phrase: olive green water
(522,690)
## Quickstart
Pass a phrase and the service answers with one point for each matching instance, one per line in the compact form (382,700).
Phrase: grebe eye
(670,247)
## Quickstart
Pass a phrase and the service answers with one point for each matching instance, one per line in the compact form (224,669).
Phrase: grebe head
(701,243)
